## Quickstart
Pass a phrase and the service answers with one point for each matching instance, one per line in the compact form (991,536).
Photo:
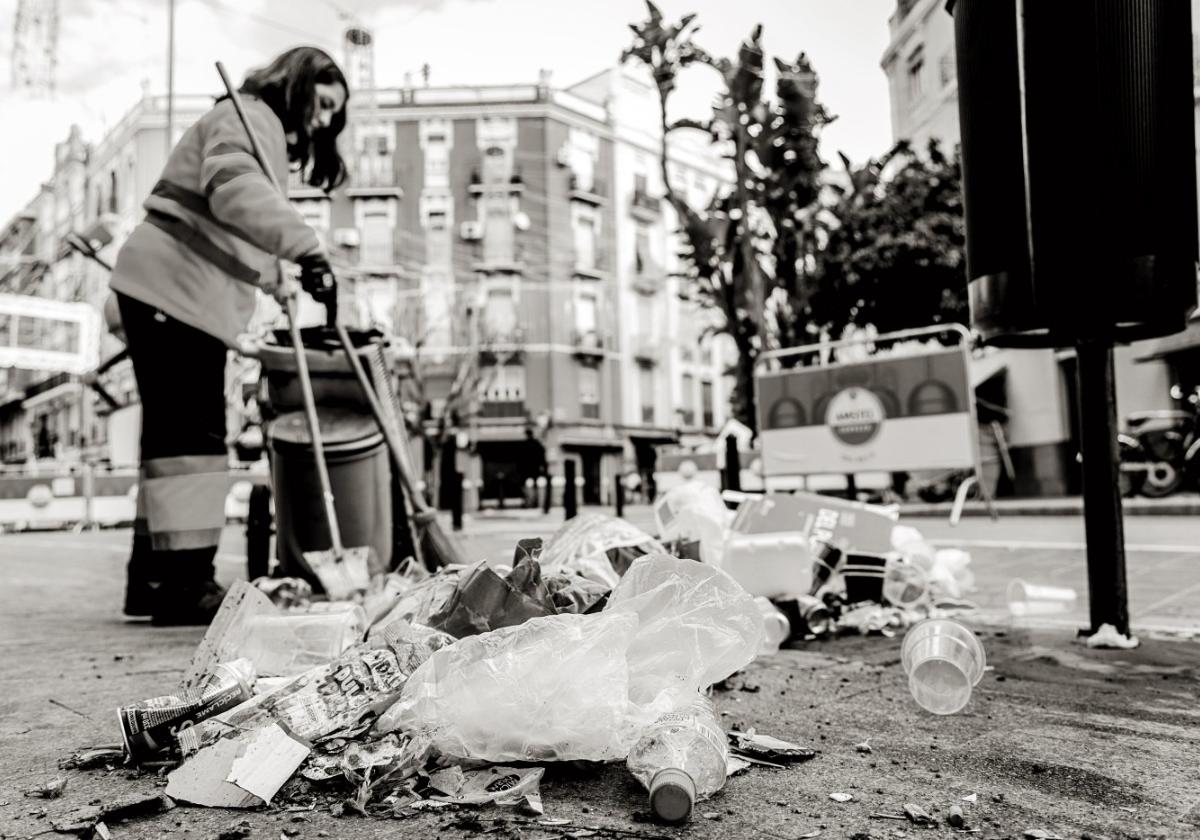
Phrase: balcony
(588,344)
(496,345)
(647,349)
(645,207)
(589,193)
(593,269)
(648,415)
(589,411)
(298,190)
(374,177)
(477,188)
(647,284)
(502,410)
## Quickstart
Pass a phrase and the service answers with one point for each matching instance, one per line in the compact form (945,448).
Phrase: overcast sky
(109,49)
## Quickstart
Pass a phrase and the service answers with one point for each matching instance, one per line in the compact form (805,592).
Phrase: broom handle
(310,403)
(393,440)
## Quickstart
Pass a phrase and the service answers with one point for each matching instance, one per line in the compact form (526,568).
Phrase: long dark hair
(288,86)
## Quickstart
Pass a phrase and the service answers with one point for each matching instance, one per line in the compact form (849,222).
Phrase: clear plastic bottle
(681,759)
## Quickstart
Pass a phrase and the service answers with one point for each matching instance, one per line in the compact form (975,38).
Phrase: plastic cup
(1034,599)
(944,661)
(776,626)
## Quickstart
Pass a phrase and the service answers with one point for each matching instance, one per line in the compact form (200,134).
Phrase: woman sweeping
(186,282)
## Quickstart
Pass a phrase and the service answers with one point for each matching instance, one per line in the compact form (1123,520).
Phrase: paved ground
(1057,737)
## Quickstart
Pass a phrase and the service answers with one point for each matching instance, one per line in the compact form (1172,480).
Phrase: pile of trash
(456,687)
(449,688)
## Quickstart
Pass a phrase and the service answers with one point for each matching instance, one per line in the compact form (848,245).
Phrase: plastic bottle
(681,759)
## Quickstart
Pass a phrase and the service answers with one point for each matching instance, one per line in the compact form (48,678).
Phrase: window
(645,313)
(706,404)
(948,70)
(438,247)
(586,315)
(589,392)
(639,184)
(585,241)
(916,67)
(495,166)
(377,246)
(646,392)
(499,315)
(375,160)
(642,250)
(687,401)
(498,232)
(114,195)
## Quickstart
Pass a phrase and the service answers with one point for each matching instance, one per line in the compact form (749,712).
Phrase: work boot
(190,594)
(142,580)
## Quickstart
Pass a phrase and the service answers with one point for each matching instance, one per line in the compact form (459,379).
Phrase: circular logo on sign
(855,416)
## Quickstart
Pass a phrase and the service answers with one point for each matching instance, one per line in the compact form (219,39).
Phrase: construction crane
(35,46)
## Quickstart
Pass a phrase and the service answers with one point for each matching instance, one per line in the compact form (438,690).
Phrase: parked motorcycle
(1161,453)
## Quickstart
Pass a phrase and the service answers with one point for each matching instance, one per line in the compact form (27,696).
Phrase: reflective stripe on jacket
(215,225)
(184,500)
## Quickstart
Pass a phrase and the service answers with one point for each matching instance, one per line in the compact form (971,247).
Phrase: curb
(1072,506)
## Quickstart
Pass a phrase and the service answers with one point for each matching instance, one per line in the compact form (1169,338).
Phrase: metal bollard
(620,496)
(570,507)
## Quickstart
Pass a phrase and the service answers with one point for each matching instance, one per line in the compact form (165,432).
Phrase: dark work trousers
(180,374)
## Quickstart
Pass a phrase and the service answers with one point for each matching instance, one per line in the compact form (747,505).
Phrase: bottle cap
(672,795)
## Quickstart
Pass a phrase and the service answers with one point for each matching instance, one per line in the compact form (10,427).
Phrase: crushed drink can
(152,727)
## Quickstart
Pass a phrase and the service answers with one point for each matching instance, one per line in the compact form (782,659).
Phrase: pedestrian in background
(186,283)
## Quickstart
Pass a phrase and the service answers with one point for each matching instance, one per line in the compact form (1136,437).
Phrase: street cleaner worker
(186,284)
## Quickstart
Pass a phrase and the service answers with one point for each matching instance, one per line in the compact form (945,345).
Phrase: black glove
(316,277)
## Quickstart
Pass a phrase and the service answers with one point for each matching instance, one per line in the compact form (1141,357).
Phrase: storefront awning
(1169,345)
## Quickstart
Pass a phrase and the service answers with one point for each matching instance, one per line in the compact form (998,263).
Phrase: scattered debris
(971,797)
(84,819)
(50,790)
(841,797)
(919,817)
(63,705)
(750,745)
(864,747)
(92,757)
(1040,834)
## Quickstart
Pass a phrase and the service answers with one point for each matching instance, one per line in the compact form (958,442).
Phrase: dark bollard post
(569,506)
(851,487)
(456,500)
(733,465)
(500,484)
(547,490)
(620,496)
(1103,525)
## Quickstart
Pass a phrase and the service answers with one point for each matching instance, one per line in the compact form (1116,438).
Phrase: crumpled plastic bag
(598,546)
(697,625)
(694,511)
(553,688)
(485,601)
(582,687)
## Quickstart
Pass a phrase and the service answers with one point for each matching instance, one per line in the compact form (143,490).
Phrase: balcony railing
(648,414)
(645,206)
(588,342)
(647,349)
(589,193)
(589,411)
(498,410)
(687,417)
(374,172)
(646,283)
(709,420)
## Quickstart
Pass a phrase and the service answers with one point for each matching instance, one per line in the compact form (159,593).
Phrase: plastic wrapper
(483,600)
(598,547)
(694,511)
(418,603)
(582,687)
(333,698)
(504,786)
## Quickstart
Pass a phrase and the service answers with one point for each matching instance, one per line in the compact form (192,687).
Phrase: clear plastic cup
(290,644)
(944,662)
(776,626)
(1035,599)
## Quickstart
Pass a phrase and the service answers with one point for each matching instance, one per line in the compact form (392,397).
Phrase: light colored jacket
(215,225)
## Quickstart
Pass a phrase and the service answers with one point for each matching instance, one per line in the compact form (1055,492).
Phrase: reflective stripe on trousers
(184,500)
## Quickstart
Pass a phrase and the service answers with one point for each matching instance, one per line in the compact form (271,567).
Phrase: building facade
(510,237)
